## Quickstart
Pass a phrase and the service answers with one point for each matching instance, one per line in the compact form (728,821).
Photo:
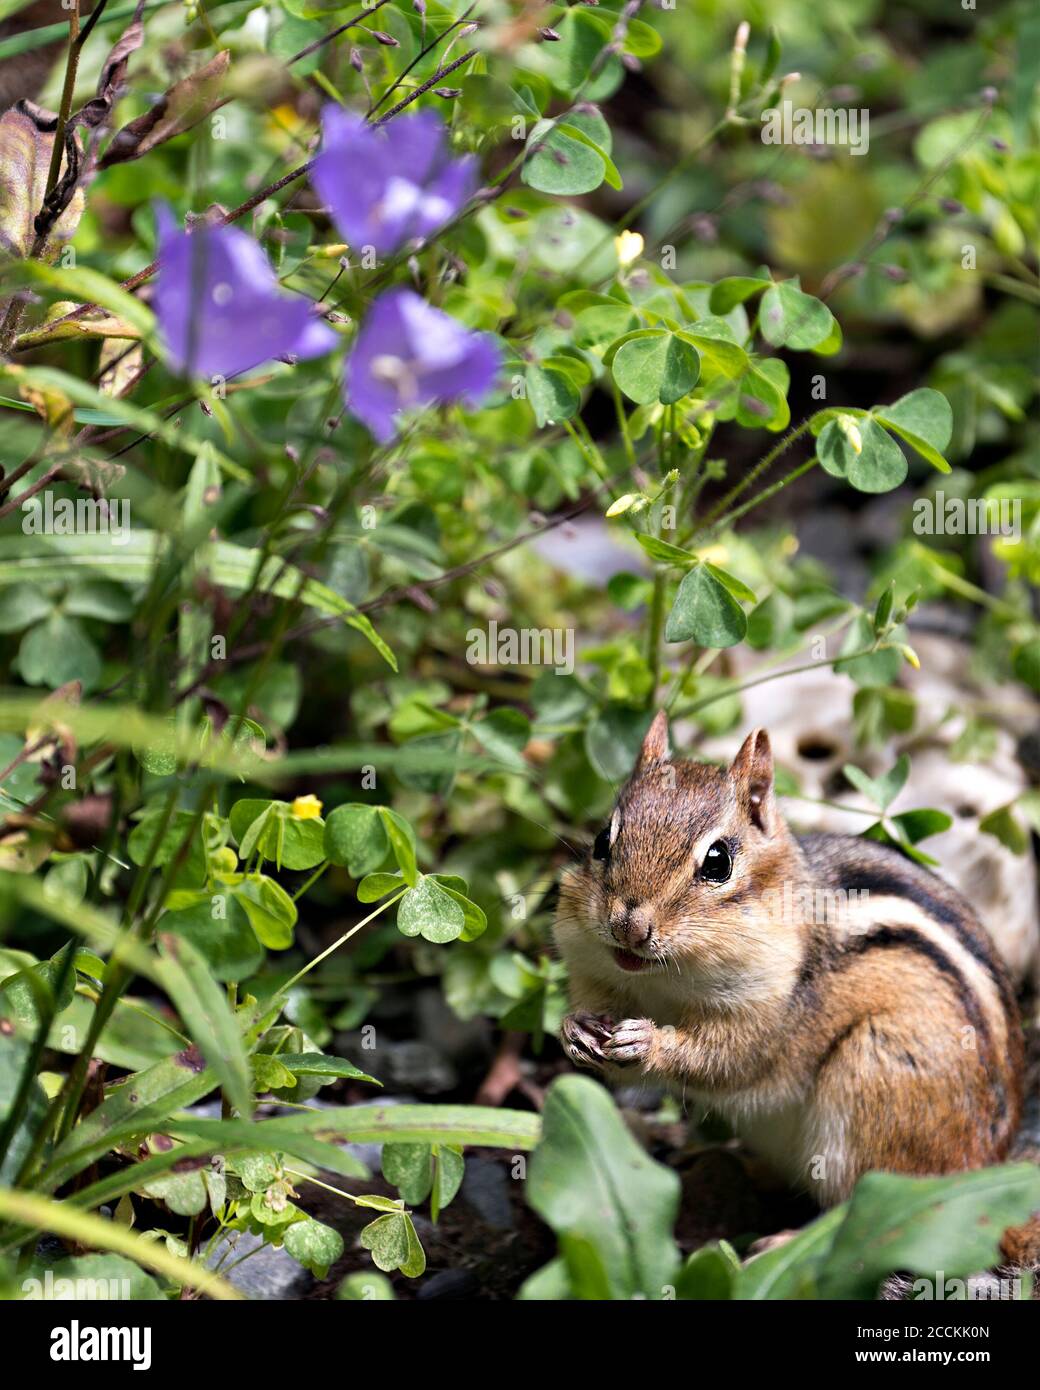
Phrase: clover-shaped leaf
(705,612)
(394,1244)
(355,837)
(924,420)
(314,1245)
(552,394)
(877,465)
(655,366)
(270,829)
(882,791)
(788,317)
(428,910)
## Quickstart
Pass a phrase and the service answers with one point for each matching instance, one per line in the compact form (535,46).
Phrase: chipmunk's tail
(1020,1245)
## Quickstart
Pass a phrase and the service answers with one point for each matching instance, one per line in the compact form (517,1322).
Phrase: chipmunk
(879,1033)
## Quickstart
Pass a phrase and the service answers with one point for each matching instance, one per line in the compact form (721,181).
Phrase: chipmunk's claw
(630,1042)
(583,1037)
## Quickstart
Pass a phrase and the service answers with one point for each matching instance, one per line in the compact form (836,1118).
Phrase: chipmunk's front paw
(583,1037)
(630,1041)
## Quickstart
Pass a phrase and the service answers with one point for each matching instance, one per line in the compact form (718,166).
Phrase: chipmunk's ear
(752,771)
(655,744)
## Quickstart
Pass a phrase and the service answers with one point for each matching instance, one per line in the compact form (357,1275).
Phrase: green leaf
(925,420)
(666,554)
(655,367)
(552,394)
(882,791)
(37,558)
(449,1170)
(139,1104)
(15,1058)
(409,1167)
(721,358)
(474,916)
(873,668)
(951,1224)
(21,606)
(878,466)
(184,1194)
(1026,664)
(290,842)
(788,317)
(64,1219)
(709,1273)
(228,944)
(560,163)
(591,1181)
(735,289)
(612,740)
(375,886)
(57,651)
(271,912)
(192,871)
(321,1064)
(402,842)
(354,836)
(792,1269)
(203,1006)
(429,911)
(918,825)
(589,128)
(394,1244)
(736,586)
(705,612)
(1005,826)
(314,1245)
(761,401)
(42,990)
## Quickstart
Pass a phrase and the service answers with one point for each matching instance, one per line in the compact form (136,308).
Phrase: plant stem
(765,495)
(753,475)
(339,942)
(698,705)
(313,879)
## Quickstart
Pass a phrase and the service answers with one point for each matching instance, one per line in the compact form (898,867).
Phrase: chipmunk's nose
(631,926)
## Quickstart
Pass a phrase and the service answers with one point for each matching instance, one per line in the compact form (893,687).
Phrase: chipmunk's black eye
(718,863)
(601,845)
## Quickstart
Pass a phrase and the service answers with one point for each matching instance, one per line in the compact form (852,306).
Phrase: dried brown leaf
(25,155)
(185,104)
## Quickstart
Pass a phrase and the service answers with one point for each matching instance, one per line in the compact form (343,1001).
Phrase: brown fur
(869,1033)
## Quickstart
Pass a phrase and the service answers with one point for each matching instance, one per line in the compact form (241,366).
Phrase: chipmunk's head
(677,877)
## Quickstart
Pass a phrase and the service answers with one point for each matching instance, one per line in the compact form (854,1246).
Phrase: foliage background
(489,775)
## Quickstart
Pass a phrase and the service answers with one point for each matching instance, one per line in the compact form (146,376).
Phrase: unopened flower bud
(387,40)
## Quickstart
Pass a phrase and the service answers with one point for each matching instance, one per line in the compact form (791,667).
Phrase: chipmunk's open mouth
(629,961)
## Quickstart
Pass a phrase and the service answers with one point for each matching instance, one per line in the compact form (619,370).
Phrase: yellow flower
(306,807)
(629,247)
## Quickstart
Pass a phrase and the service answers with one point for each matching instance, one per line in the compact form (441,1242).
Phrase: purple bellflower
(384,191)
(409,355)
(219,305)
